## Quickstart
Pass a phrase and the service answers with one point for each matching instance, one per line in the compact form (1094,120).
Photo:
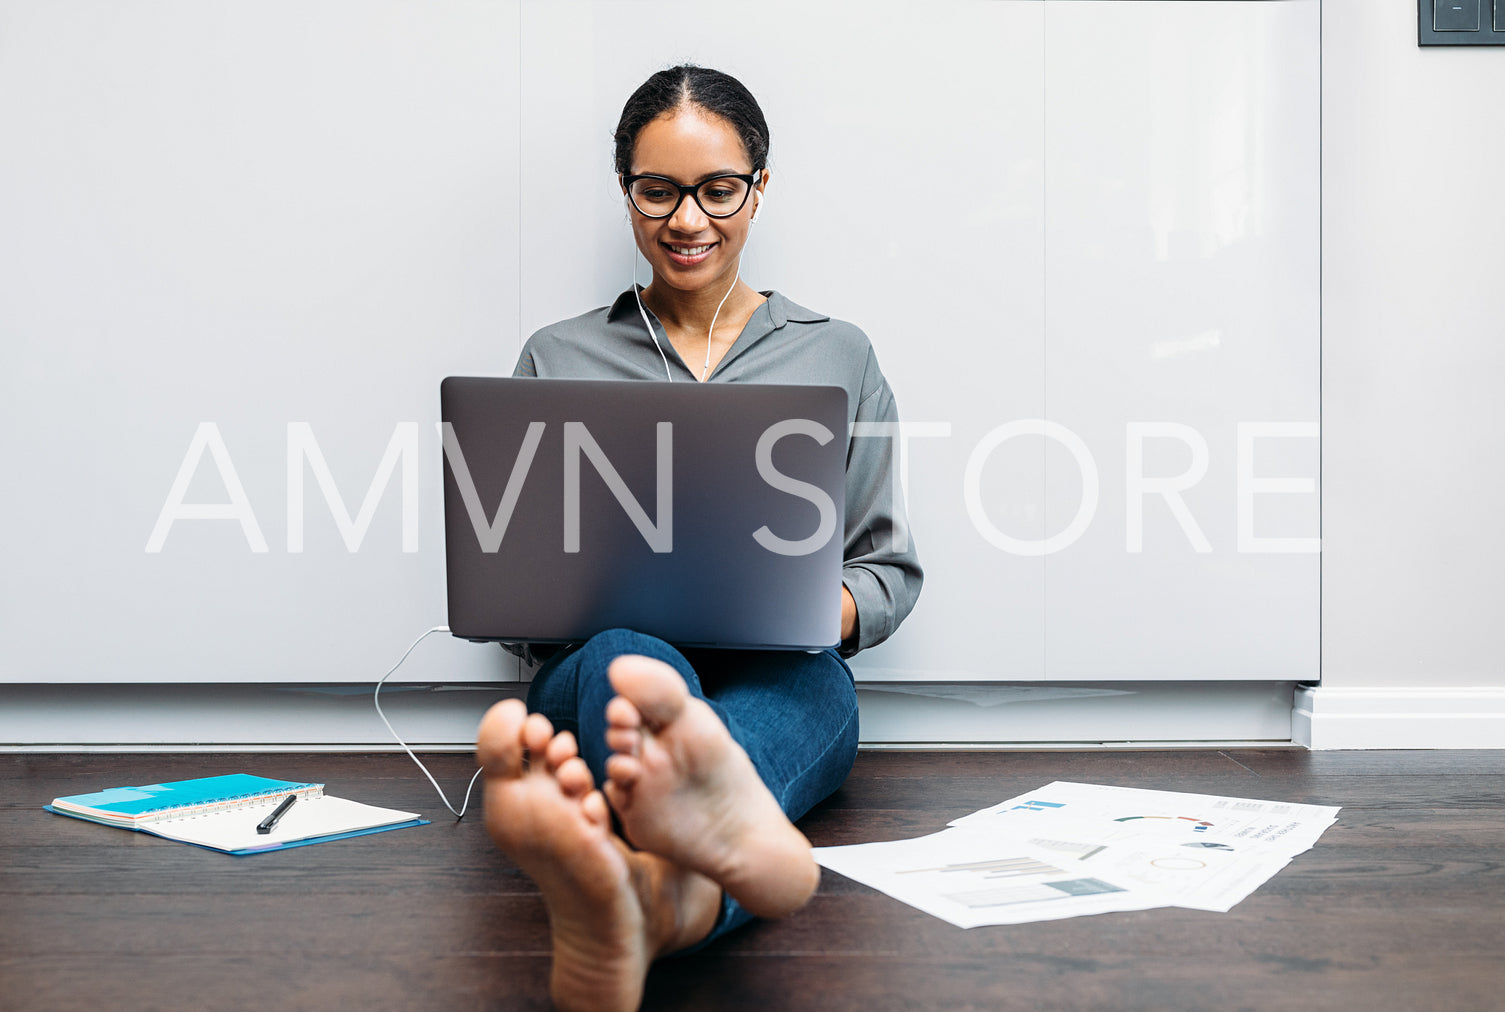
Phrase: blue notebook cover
(130,803)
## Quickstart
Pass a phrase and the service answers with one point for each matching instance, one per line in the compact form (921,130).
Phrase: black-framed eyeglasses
(660,197)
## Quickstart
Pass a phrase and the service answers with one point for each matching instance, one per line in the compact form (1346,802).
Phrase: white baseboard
(1341,718)
(1098,714)
(242,717)
(250,717)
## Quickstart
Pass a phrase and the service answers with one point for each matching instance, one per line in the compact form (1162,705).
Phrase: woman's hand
(848,615)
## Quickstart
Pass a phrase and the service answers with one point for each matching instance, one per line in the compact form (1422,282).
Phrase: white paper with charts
(1070,849)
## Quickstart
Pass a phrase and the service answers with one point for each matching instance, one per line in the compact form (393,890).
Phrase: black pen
(270,822)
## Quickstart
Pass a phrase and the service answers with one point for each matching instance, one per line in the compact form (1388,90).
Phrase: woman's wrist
(848,615)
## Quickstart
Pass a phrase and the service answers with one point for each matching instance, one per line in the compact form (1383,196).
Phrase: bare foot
(611,910)
(686,791)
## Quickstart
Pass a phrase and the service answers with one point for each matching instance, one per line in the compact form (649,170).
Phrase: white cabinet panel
(248,215)
(1182,307)
(1093,215)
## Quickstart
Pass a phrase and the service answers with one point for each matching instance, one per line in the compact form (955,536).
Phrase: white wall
(1413,326)
(1413,355)
(1413,352)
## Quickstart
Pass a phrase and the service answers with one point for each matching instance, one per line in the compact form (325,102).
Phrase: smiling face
(688,250)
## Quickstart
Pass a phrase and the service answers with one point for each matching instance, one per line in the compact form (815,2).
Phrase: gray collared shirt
(781,343)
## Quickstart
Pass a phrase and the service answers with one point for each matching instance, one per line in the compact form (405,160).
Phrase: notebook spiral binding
(228,804)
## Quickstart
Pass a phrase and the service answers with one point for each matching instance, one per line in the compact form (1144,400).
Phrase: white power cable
(376,700)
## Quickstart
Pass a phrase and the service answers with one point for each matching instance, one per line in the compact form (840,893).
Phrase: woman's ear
(760,196)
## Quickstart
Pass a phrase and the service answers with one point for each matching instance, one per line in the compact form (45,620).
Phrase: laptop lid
(704,514)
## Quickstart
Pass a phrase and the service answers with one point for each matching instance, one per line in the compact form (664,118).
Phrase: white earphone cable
(644,313)
(737,277)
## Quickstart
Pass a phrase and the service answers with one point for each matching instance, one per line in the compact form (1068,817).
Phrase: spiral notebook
(222,813)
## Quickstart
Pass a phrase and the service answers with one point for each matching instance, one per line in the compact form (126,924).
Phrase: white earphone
(758,208)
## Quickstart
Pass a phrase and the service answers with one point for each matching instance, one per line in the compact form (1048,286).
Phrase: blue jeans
(794,713)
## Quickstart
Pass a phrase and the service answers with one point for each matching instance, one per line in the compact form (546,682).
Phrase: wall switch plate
(1460,22)
(1455,15)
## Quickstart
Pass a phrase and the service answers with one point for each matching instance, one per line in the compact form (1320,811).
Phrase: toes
(621,713)
(561,747)
(499,748)
(623,770)
(626,741)
(537,731)
(656,690)
(574,777)
(594,807)
(619,797)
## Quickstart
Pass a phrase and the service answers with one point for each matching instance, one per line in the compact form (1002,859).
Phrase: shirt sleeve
(880,567)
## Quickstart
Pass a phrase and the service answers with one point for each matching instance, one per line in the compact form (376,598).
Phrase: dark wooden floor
(1401,905)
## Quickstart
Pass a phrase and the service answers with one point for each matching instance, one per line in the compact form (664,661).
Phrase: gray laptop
(704,514)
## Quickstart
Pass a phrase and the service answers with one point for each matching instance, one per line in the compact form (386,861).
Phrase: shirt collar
(780,309)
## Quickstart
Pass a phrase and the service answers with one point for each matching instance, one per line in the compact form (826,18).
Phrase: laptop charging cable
(376,700)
